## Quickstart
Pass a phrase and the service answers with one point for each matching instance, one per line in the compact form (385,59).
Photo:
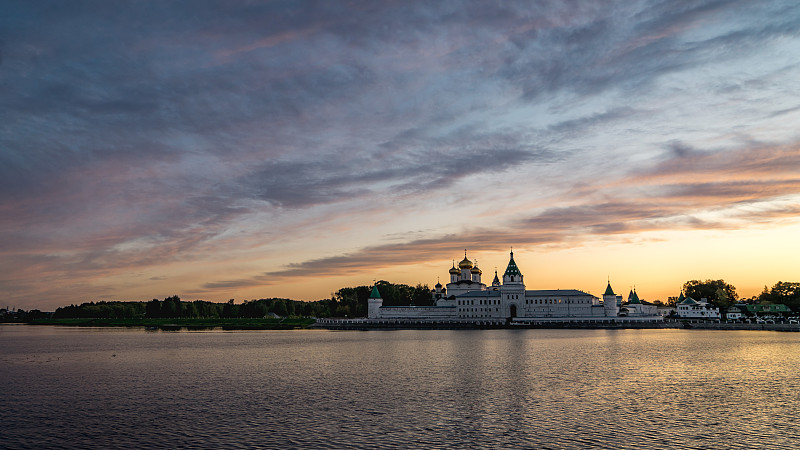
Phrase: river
(131,388)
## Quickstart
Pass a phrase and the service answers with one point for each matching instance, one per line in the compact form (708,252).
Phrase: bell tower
(512,291)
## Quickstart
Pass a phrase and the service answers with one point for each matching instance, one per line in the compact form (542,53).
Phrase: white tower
(610,301)
(512,292)
(374,304)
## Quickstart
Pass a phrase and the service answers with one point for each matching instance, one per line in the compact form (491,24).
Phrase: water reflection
(416,388)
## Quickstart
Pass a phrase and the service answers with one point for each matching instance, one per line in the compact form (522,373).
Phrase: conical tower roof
(512,268)
(375,293)
(609,291)
(633,297)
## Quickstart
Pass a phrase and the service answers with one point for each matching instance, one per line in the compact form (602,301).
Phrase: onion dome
(476,270)
(438,285)
(453,270)
(465,263)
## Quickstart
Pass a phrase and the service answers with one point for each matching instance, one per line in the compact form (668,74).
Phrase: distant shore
(399,324)
(188,324)
(365,324)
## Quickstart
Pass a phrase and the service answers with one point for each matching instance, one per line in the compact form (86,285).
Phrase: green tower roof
(375,293)
(633,297)
(512,268)
(609,291)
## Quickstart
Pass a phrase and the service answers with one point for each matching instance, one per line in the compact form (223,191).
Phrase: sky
(256,149)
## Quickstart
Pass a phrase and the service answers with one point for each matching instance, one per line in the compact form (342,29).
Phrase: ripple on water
(409,389)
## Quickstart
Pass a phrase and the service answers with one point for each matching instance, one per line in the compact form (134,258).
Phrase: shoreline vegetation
(175,324)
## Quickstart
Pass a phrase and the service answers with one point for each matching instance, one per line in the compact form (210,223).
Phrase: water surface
(78,387)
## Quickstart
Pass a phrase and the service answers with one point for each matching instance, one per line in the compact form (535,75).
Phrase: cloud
(670,207)
(138,134)
(339,177)
(752,161)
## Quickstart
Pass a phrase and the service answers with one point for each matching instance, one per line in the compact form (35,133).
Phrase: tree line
(724,295)
(346,302)
(175,308)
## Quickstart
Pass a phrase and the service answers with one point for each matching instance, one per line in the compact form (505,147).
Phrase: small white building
(689,308)
(734,313)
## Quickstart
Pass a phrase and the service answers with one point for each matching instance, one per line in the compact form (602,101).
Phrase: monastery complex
(467,299)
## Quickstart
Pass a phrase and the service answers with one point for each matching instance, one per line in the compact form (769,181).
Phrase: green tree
(279,307)
(153,309)
(787,293)
(189,310)
(230,310)
(722,299)
(168,308)
(711,289)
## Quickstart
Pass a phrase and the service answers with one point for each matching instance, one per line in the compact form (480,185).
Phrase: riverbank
(423,324)
(187,324)
(742,326)
(366,324)
(620,323)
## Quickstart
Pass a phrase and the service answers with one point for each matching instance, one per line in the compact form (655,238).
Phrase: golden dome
(453,270)
(465,263)
(476,269)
